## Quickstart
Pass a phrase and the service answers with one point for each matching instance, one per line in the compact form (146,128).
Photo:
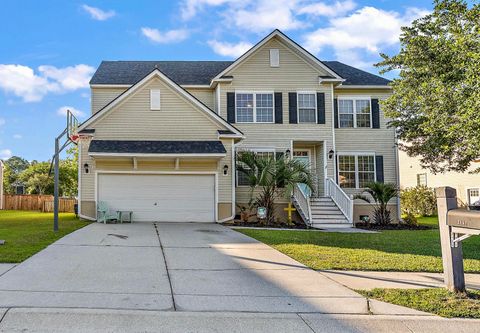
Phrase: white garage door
(162,198)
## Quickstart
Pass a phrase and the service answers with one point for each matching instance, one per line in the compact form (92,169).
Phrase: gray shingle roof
(355,76)
(182,72)
(156,147)
(202,72)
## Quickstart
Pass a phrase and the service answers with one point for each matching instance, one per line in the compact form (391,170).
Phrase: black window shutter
(375,114)
(379,168)
(320,108)
(292,107)
(335,112)
(231,107)
(278,108)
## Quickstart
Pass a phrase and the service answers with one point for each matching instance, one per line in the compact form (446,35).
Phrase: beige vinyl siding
(103,96)
(225,182)
(380,141)
(87,180)
(206,96)
(177,119)
(293,75)
(410,167)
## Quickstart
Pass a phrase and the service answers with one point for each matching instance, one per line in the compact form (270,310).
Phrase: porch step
(331,225)
(321,199)
(326,214)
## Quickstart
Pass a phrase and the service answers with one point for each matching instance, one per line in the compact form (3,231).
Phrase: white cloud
(69,78)
(267,15)
(17,136)
(98,14)
(189,8)
(229,49)
(23,82)
(323,9)
(5,154)
(171,36)
(63,111)
(368,29)
(2,121)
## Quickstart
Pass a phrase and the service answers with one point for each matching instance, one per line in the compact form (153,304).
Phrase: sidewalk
(403,280)
(94,320)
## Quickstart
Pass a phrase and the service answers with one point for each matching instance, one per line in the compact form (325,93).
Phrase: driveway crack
(166,266)
(4,315)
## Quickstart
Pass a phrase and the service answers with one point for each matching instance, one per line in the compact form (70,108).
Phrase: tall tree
(13,167)
(436,97)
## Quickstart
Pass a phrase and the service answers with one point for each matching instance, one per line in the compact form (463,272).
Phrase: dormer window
(274,58)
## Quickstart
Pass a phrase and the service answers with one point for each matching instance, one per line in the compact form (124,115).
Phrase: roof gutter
(363,87)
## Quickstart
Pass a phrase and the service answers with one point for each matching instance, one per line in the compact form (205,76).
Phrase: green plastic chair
(103,213)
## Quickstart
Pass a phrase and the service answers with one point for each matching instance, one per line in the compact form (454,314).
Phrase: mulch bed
(393,226)
(239,223)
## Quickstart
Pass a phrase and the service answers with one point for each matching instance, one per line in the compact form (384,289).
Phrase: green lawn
(438,301)
(392,250)
(26,232)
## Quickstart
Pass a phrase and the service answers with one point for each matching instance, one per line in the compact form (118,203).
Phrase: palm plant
(273,177)
(380,194)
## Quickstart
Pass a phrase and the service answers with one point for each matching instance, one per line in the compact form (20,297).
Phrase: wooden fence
(43,203)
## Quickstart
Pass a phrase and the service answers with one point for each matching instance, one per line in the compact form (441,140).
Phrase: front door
(473,195)
(304,155)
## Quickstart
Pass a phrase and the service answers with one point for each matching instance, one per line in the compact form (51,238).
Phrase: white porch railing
(343,201)
(303,201)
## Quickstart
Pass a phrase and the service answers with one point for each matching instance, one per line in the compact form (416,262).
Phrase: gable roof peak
(290,42)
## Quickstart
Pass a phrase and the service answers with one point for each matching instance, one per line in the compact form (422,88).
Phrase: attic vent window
(274,58)
(155,99)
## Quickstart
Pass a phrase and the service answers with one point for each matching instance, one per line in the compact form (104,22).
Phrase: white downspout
(232,172)
(397,174)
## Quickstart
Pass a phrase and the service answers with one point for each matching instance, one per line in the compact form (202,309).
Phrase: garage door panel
(165,198)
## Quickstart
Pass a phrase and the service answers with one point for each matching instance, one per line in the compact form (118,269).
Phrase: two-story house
(162,137)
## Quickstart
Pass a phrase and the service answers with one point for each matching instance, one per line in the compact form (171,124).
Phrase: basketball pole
(71,128)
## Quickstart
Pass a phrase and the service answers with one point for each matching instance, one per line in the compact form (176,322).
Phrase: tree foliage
(35,175)
(436,98)
(272,177)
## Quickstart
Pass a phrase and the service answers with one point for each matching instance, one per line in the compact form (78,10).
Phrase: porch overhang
(157,149)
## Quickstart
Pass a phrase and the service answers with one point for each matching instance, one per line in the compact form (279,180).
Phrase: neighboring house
(467,184)
(163,135)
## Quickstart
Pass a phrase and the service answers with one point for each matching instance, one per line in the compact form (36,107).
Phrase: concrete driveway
(176,266)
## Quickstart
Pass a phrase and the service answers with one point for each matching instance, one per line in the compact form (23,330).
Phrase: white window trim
(254,93)
(255,150)
(153,92)
(298,106)
(354,99)
(356,154)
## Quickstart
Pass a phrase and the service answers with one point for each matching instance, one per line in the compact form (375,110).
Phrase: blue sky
(50,49)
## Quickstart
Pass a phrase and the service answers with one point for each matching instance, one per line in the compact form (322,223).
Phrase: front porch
(326,205)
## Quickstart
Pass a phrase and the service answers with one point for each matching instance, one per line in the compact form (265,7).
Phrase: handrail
(303,200)
(341,199)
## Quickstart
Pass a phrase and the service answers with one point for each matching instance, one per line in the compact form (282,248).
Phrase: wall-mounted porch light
(287,153)
(225,170)
(85,167)
(330,154)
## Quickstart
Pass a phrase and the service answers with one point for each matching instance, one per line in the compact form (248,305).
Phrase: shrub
(419,201)
(410,220)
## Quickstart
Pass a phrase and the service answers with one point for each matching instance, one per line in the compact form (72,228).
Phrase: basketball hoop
(72,127)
